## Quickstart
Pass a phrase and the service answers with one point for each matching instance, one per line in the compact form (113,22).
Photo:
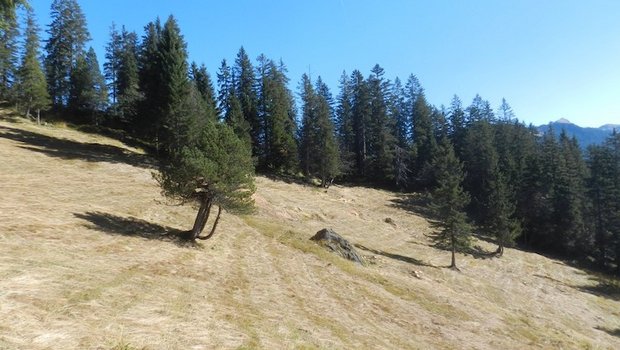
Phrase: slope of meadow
(83,265)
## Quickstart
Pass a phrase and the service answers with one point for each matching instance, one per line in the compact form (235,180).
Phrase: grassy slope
(82,266)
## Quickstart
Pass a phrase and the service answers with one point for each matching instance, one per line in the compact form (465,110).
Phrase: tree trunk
(217,220)
(453,264)
(201,219)
(38,116)
(500,250)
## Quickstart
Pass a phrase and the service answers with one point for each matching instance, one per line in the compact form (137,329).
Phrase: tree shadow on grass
(612,332)
(132,227)
(606,287)
(416,203)
(398,257)
(69,150)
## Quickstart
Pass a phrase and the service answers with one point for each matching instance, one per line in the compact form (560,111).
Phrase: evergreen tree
(128,81)
(360,115)
(502,223)
(424,143)
(202,80)
(344,125)
(224,86)
(245,89)
(31,82)
(68,35)
(150,110)
(277,119)
(211,168)
(319,148)
(111,67)
(448,200)
(7,12)
(382,142)
(88,93)
(481,160)
(174,85)
(8,58)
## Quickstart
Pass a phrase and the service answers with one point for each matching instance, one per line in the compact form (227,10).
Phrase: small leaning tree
(215,169)
(448,201)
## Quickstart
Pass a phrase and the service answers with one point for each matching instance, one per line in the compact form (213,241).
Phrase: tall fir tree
(31,82)
(129,95)
(111,67)
(67,37)
(150,110)
(9,34)
(88,92)
(424,143)
(344,125)
(245,89)
(360,115)
(448,201)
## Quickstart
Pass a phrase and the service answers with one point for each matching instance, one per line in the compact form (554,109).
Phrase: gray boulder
(337,244)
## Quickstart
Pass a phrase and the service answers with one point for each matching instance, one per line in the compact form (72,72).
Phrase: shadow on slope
(612,332)
(132,227)
(415,203)
(69,150)
(398,257)
(606,287)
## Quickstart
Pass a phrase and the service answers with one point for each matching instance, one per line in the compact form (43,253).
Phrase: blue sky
(550,59)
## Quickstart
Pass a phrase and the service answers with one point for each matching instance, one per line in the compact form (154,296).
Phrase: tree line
(485,171)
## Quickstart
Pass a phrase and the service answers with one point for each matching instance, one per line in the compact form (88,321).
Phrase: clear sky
(550,59)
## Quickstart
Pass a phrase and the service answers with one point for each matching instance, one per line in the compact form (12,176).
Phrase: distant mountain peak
(610,127)
(562,121)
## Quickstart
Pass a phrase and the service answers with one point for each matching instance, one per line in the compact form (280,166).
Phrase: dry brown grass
(83,266)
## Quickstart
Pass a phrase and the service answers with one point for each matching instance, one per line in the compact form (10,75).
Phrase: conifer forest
(482,171)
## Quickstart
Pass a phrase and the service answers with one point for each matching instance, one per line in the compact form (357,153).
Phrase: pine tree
(212,168)
(275,111)
(68,35)
(344,125)
(150,109)
(502,223)
(112,64)
(318,147)
(424,143)
(381,139)
(31,82)
(448,201)
(8,58)
(174,85)
(202,80)
(360,115)
(88,91)
(245,89)
(128,81)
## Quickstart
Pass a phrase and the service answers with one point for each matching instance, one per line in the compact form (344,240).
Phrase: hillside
(83,265)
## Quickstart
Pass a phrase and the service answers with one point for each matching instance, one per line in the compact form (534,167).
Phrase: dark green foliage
(424,143)
(31,84)
(68,35)
(202,81)
(277,119)
(111,67)
(381,141)
(360,116)
(88,91)
(213,167)
(448,200)
(244,83)
(128,81)
(150,113)
(344,126)
(319,156)
(501,222)
(8,58)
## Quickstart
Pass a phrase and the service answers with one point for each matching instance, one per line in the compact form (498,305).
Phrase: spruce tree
(382,142)
(448,201)
(8,58)
(128,81)
(424,143)
(202,80)
(174,85)
(150,109)
(245,89)
(88,92)
(502,223)
(344,125)
(112,64)
(360,115)
(68,35)
(7,12)
(31,82)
